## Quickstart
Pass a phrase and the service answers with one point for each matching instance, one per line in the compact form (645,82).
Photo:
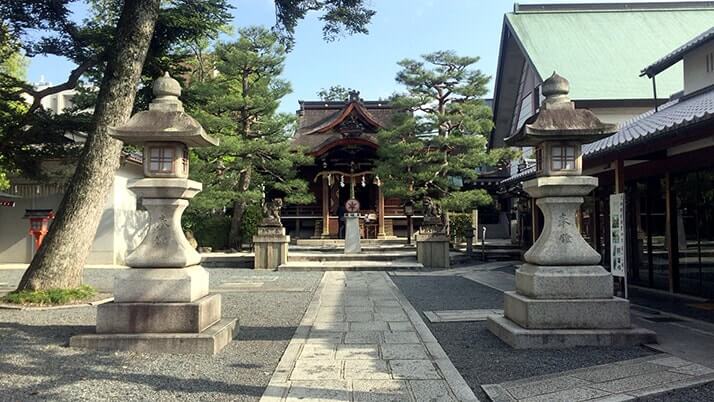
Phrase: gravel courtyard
(36,364)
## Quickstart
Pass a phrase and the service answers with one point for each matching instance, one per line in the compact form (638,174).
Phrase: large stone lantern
(563,297)
(162,303)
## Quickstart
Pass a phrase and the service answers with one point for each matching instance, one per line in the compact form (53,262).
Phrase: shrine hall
(342,137)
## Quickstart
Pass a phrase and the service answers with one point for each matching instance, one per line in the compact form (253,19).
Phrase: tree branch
(71,83)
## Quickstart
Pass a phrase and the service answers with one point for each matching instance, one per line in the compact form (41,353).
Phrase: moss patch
(50,296)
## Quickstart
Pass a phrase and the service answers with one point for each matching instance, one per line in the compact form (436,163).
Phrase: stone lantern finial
(556,89)
(166,92)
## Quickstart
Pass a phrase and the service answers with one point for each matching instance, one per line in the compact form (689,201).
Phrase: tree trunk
(60,260)
(235,237)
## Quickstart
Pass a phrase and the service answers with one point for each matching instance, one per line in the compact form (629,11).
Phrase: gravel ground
(37,365)
(481,357)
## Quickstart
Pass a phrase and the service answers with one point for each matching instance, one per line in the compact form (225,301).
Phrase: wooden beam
(325,208)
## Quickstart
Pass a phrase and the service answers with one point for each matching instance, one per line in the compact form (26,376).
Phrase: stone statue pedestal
(432,246)
(271,247)
(563,298)
(352,237)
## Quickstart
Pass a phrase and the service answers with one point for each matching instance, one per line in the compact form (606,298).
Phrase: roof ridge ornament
(354,96)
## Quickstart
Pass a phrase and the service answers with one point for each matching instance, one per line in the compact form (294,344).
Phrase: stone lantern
(162,303)
(563,298)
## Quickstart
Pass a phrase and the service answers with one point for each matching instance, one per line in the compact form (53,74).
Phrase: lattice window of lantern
(162,160)
(562,157)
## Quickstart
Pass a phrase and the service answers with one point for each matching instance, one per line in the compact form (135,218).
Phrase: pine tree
(439,134)
(239,106)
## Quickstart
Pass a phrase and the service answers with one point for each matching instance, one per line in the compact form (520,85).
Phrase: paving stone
(401,326)
(401,337)
(351,352)
(391,316)
(358,309)
(363,337)
(380,391)
(548,386)
(693,369)
(334,326)
(325,337)
(314,369)
(614,372)
(369,326)
(387,303)
(325,351)
(431,390)
(413,370)
(640,381)
(358,301)
(329,317)
(389,309)
(359,316)
(570,395)
(319,391)
(670,361)
(403,352)
(372,369)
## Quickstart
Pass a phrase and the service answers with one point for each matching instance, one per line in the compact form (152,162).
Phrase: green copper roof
(602,52)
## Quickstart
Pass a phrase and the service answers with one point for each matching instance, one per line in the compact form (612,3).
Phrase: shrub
(459,224)
(251,218)
(209,229)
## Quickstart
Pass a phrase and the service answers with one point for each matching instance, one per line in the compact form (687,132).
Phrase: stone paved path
(621,381)
(361,340)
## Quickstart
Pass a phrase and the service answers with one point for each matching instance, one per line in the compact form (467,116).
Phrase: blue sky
(368,63)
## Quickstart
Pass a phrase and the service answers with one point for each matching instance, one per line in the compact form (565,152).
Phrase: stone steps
(360,265)
(370,256)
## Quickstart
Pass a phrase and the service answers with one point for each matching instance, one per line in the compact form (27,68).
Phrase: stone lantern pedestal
(162,304)
(271,247)
(352,236)
(563,297)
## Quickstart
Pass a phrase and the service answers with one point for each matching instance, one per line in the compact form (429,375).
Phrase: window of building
(162,160)
(710,62)
(562,157)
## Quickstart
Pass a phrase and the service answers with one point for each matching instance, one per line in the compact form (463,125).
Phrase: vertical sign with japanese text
(617,235)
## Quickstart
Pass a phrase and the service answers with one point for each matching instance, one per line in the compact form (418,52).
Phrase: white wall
(696,75)
(617,115)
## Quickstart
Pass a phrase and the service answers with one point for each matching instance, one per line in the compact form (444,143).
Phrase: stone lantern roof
(165,121)
(559,120)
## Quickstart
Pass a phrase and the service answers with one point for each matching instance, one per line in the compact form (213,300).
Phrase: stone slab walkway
(361,340)
(461,315)
(622,381)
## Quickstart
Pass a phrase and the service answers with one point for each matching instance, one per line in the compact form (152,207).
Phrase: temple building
(659,159)
(342,137)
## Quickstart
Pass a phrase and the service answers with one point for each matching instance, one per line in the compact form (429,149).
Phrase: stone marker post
(432,240)
(563,298)
(162,303)
(271,242)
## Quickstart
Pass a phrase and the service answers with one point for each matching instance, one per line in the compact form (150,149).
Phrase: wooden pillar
(325,208)
(380,213)
(671,234)
(619,176)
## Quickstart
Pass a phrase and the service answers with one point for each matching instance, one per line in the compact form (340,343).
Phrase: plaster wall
(698,73)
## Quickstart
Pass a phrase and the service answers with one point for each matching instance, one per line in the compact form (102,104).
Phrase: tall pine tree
(239,106)
(439,134)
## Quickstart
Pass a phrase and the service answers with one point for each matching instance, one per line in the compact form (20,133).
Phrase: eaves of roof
(677,54)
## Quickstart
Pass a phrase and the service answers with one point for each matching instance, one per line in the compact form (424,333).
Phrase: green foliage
(334,93)
(50,296)
(251,218)
(459,225)
(440,132)
(239,107)
(210,229)
(350,16)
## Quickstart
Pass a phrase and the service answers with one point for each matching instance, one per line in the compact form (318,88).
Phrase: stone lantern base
(271,247)
(161,311)
(432,249)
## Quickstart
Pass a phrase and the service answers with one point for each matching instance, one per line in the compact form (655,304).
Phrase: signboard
(352,206)
(617,235)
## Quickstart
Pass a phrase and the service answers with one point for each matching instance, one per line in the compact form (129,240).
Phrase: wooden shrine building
(342,137)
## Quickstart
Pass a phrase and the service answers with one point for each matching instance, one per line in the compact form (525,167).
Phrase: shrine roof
(323,122)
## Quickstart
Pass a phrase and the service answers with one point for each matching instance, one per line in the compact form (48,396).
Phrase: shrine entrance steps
(332,258)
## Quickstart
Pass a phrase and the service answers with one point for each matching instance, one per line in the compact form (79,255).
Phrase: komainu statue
(271,212)
(434,216)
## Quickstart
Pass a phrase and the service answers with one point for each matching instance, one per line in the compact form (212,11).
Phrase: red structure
(39,223)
